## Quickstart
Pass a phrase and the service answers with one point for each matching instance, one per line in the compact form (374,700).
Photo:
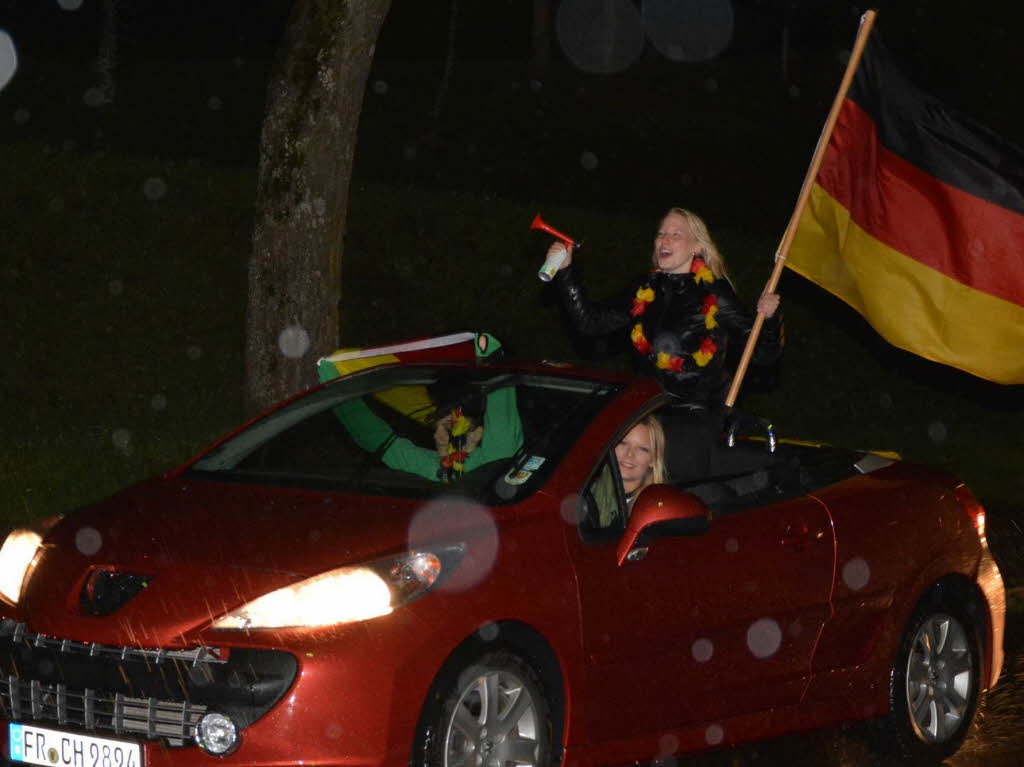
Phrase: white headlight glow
(15,557)
(345,595)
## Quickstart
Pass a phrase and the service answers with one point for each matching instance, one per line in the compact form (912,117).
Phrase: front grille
(153,719)
(155,694)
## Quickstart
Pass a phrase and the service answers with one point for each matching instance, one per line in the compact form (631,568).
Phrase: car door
(697,628)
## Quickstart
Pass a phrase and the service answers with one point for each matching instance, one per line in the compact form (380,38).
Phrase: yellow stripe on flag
(911,305)
(412,401)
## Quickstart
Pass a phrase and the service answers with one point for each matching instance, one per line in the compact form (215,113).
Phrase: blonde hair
(700,231)
(656,475)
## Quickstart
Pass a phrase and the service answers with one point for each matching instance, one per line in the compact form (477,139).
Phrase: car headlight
(16,555)
(348,594)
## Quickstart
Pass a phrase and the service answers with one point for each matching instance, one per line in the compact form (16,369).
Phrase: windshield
(416,431)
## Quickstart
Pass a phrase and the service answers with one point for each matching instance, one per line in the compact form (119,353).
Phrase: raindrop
(856,574)
(444,514)
(116,287)
(488,632)
(604,42)
(702,650)
(588,160)
(409,152)
(46,666)
(88,540)
(333,731)
(732,545)
(885,401)
(570,508)
(976,248)
(69,5)
(293,342)
(697,30)
(57,205)
(714,734)
(314,536)
(536,86)
(154,188)
(794,91)
(937,431)
(214,104)
(668,745)
(158,402)
(319,206)
(22,116)
(8,59)
(711,85)
(122,439)
(194,352)
(764,638)
(380,87)
(94,97)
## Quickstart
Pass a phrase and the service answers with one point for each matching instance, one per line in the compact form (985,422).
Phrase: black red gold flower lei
(709,308)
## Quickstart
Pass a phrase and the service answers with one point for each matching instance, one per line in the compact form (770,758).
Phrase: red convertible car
(340,582)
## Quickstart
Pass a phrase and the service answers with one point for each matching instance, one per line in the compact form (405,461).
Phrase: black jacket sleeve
(587,317)
(738,321)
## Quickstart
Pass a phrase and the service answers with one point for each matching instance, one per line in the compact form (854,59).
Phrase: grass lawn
(124,298)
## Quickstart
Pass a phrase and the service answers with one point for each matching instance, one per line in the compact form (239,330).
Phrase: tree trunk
(306,151)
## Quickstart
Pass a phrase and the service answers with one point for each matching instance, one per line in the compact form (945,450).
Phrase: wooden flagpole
(866,22)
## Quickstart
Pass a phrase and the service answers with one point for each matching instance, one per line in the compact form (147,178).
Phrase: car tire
(934,685)
(494,713)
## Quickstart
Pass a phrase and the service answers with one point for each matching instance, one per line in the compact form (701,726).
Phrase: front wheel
(934,685)
(495,714)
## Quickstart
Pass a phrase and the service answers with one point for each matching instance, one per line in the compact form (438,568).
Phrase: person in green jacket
(464,437)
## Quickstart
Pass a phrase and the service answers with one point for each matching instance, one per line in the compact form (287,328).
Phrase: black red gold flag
(916,220)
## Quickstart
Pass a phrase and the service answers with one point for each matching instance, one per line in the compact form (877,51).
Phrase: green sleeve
(503,430)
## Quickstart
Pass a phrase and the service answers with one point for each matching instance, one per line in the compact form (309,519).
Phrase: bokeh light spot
(194,352)
(154,188)
(588,160)
(856,574)
(8,59)
(88,540)
(293,341)
(696,30)
(450,517)
(937,431)
(703,649)
(69,5)
(122,440)
(158,402)
(602,40)
(764,637)
(714,734)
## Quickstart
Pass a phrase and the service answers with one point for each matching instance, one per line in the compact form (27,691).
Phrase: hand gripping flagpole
(866,22)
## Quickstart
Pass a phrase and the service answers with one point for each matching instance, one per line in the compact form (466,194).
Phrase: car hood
(202,548)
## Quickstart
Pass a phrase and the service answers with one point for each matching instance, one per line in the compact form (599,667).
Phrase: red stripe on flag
(966,238)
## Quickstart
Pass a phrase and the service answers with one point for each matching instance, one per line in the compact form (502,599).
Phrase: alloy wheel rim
(493,724)
(940,678)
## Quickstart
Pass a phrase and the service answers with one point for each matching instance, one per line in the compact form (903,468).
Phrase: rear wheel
(935,684)
(494,714)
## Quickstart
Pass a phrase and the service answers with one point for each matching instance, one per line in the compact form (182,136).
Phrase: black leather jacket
(676,328)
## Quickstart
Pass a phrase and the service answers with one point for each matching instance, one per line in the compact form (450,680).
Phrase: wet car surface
(327,585)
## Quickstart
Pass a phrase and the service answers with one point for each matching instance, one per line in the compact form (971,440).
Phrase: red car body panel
(775,619)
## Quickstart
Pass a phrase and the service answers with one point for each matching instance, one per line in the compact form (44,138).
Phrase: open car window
(375,432)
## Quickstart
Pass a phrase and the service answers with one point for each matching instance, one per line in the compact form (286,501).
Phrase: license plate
(39,745)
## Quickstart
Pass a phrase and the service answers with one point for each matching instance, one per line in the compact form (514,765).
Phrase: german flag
(916,220)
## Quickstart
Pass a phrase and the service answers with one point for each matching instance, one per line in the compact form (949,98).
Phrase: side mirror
(661,510)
